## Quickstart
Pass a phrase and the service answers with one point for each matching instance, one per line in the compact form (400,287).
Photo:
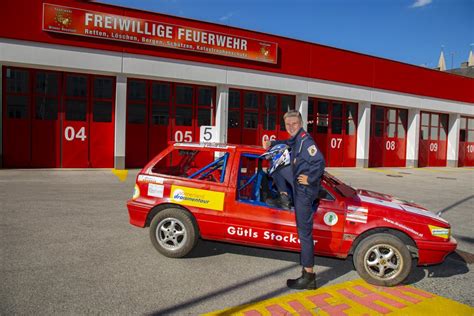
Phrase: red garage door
(256,116)
(333,126)
(388,137)
(53,119)
(466,142)
(158,112)
(433,140)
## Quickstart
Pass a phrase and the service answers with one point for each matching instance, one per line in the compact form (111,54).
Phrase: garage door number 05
(187,136)
(70,134)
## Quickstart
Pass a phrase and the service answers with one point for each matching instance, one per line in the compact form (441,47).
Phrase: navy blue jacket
(306,158)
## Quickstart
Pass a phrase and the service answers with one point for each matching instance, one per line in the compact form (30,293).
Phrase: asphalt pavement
(66,247)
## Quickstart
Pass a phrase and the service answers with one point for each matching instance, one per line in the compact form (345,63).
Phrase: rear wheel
(173,232)
(382,259)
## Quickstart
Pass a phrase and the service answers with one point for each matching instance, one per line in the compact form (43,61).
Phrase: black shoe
(282,201)
(307,281)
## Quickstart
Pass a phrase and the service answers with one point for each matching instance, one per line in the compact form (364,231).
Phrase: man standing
(308,167)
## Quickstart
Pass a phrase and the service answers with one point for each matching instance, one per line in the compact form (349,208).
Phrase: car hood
(392,202)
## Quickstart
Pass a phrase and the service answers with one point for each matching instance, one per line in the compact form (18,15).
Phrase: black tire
(173,232)
(382,259)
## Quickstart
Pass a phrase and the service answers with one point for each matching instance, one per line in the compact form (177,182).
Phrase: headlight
(440,231)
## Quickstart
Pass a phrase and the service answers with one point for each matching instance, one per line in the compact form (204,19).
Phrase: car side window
(198,164)
(325,195)
(252,179)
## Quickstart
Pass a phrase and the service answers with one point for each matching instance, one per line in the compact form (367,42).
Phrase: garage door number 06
(70,134)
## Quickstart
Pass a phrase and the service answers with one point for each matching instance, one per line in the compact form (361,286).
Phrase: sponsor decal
(380,202)
(439,231)
(330,218)
(357,214)
(423,212)
(401,207)
(112,27)
(252,233)
(155,190)
(136,192)
(195,197)
(411,230)
(150,179)
(312,150)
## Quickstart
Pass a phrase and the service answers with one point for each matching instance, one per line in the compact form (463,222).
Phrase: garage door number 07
(70,134)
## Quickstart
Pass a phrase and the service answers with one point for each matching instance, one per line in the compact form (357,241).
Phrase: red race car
(218,192)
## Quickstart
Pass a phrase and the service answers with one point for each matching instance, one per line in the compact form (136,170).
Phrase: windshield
(343,189)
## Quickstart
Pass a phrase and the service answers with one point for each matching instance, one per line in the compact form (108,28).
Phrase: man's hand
(303,179)
(266,144)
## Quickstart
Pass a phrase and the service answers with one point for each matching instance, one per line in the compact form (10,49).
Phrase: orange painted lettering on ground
(369,298)
(299,308)
(320,301)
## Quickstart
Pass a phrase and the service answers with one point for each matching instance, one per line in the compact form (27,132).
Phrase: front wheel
(173,232)
(382,259)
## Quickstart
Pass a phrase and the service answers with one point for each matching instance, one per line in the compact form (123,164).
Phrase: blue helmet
(279,156)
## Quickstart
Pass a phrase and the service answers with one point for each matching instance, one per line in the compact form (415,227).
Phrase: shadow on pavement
(453,265)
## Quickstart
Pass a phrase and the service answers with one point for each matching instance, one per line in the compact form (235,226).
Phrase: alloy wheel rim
(383,262)
(171,233)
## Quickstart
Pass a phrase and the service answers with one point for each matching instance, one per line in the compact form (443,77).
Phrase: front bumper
(137,212)
(434,252)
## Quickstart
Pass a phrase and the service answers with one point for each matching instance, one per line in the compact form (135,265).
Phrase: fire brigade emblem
(64,19)
(264,51)
(312,150)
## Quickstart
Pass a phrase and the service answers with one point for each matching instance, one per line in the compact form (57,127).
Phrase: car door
(249,220)
(329,223)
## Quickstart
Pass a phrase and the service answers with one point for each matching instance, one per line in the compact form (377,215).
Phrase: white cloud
(420,3)
(226,17)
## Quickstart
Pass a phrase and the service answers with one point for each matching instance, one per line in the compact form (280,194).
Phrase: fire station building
(90,85)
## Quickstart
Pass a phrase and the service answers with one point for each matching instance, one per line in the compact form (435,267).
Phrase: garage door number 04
(70,134)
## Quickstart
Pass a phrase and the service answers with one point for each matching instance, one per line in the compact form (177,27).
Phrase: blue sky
(410,31)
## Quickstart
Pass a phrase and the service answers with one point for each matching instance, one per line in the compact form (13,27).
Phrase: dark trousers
(304,211)
(283,179)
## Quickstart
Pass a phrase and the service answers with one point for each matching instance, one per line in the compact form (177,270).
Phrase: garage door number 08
(70,134)
(390,145)
(433,147)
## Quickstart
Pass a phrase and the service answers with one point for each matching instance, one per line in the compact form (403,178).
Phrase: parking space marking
(121,174)
(353,298)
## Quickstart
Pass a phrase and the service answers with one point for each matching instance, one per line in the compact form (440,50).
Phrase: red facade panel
(295,58)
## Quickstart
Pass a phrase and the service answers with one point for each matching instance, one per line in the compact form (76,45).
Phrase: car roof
(238,147)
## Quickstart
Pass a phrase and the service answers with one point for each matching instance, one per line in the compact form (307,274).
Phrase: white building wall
(301,104)
(120,121)
(363,135)
(1,118)
(413,137)
(454,124)
(222,112)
